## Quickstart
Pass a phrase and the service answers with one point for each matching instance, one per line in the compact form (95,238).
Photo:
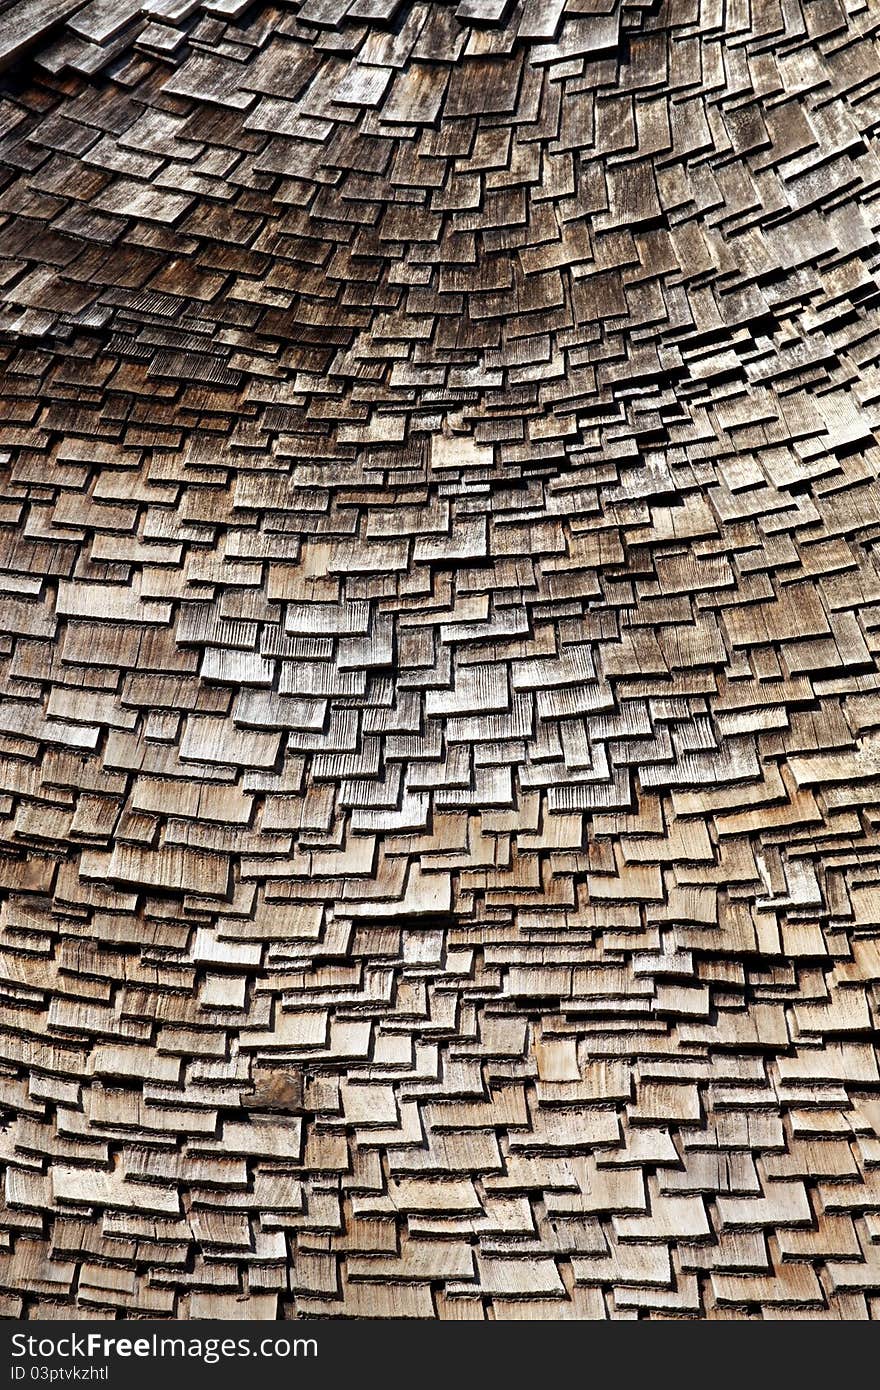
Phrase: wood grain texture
(440,714)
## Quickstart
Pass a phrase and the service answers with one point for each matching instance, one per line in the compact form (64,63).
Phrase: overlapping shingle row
(440,730)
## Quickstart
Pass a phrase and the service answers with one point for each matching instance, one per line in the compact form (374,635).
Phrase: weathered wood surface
(440,713)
